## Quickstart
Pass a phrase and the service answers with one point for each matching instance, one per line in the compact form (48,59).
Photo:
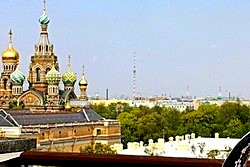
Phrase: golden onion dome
(10,53)
(83,82)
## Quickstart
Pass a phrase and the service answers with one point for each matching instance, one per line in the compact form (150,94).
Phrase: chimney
(107,94)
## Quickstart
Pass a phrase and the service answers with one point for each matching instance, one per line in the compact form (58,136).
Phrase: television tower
(188,91)
(219,94)
(134,78)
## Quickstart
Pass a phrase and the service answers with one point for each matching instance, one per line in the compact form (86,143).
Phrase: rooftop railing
(66,159)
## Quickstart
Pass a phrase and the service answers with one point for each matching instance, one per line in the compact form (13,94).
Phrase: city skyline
(200,44)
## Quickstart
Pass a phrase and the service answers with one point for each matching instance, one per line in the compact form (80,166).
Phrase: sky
(200,44)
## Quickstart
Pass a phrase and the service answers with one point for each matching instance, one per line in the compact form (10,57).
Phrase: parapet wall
(8,145)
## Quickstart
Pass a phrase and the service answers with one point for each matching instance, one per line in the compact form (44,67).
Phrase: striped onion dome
(17,77)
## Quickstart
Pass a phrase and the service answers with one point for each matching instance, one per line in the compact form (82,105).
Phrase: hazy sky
(201,43)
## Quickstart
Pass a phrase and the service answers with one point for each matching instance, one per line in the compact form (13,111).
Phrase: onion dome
(44,18)
(10,53)
(17,77)
(83,82)
(69,77)
(53,76)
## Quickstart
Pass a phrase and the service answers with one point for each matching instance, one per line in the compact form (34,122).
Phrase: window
(98,131)
(5,84)
(47,70)
(38,74)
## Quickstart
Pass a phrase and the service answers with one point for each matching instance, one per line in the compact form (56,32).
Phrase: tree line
(232,119)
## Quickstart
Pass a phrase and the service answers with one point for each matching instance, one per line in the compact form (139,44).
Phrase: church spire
(44,47)
(83,83)
(44,19)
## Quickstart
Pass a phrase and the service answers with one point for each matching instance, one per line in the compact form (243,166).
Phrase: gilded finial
(82,69)
(69,64)
(44,6)
(10,42)
(10,33)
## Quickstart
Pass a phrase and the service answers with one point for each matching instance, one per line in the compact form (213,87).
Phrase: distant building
(110,101)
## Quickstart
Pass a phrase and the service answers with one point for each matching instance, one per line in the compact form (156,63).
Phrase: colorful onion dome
(17,77)
(10,53)
(53,76)
(44,19)
(69,77)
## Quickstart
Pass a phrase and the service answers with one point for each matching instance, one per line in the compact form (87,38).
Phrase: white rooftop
(191,148)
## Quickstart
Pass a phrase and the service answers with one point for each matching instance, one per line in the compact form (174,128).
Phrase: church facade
(58,119)
(43,77)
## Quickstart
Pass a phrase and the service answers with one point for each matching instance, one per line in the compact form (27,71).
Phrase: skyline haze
(199,44)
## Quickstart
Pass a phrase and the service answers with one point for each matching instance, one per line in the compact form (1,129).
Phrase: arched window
(47,70)
(5,84)
(38,74)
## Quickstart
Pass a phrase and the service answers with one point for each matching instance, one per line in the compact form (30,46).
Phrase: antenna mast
(219,94)
(134,78)
(188,93)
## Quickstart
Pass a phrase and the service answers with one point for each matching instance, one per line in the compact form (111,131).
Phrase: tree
(213,153)
(128,127)
(234,129)
(150,127)
(98,148)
